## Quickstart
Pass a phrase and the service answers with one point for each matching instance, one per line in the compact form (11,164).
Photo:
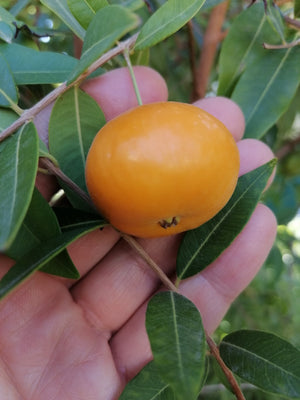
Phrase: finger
(227,111)
(262,152)
(114,90)
(122,281)
(212,291)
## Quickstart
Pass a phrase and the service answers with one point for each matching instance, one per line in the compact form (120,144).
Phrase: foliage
(257,65)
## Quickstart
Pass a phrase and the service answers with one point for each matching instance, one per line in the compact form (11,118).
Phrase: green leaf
(243,44)
(30,66)
(84,11)
(276,20)
(265,360)
(36,258)
(39,225)
(147,385)
(177,341)
(265,90)
(168,19)
(131,5)
(18,168)
(109,25)
(75,120)
(8,90)
(61,9)
(7,31)
(7,117)
(201,246)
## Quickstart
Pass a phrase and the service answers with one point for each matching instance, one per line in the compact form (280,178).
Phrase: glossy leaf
(109,25)
(30,66)
(201,246)
(7,31)
(36,258)
(168,19)
(8,90)
(75,119)
(265,90)
(84,11)
(177,341)
(147,385)
(61,9)
(265,360)
(243,44)
(18,168)
(40,224)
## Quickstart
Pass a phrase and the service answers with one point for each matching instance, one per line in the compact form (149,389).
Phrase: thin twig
(150,262)
(53,170)
(210,44)
(281,46)
(29,114)
(229,375)
(291,21)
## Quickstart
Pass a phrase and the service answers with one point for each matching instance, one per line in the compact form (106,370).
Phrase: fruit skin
(161,169)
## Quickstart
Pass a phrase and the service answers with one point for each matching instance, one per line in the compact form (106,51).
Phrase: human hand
(84,340)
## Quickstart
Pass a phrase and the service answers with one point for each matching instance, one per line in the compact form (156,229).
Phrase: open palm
(85,340)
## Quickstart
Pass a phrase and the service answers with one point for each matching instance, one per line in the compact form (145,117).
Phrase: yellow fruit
(161,168)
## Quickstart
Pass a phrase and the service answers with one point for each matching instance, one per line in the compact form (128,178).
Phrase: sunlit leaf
(30,66)
(84,11)
(61,9)
(243,44)
(201,246)
(168,19)
(109,25)
(8,90)
(18,168)
(265,360)
(75,119)
(177,341)
(265,90)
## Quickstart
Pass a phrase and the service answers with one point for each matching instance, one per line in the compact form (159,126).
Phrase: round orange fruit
(161,168)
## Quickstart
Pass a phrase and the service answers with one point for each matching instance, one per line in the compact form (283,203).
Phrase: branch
(169,284)
(29,114)
(229,375)
(151,263)
(211,40)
